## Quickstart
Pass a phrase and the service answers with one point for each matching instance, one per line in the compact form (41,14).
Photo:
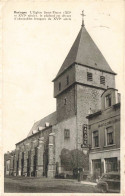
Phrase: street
(44,185)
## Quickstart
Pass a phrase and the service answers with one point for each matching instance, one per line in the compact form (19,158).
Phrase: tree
(79,159)
(66,159)
(74,159)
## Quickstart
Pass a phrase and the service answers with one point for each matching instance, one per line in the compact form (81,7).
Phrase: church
(78,86)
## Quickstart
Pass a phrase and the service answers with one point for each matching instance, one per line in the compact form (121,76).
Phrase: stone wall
(87,97)
(66,104)
(81,76)
(62,142)
(31,155)
(63,80)
(109,117)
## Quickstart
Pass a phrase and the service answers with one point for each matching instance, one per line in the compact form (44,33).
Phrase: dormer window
(89,76)
(67,80)
(102,80)
(59,86)
(108,100)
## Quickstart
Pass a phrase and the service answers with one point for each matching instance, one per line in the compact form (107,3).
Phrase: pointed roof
(85,52)
(51,119)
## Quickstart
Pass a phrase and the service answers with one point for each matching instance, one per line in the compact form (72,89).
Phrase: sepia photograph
(62,97)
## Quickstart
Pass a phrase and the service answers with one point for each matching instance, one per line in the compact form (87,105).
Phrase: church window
(102,80)
(109,136)
(66,133)
(89,76)
(59,86)
(67,80)
(95,139)
(108,100)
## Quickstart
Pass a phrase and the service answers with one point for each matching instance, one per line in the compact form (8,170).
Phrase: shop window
(67,80)
(111,164)
(102,80)
(59,86)
(95,139)
(89,76)
(110,135)
(108,100)
(66,133)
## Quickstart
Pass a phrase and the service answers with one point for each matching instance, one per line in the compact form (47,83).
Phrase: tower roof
(85,52)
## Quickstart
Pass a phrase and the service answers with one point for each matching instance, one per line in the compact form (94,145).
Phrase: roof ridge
(80,32)
(85,51)
(69,57)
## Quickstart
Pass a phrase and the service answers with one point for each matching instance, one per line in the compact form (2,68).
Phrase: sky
(33,52)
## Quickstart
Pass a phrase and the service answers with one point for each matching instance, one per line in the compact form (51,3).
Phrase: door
(96,165)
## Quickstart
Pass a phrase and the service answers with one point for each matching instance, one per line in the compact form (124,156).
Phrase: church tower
(78,86)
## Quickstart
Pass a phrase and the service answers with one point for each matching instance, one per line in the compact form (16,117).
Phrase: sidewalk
(88,183)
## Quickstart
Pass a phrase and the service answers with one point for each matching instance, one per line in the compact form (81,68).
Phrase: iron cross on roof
(83,18)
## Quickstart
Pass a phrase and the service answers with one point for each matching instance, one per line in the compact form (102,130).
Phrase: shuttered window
(89,76)
(66,133)
(102,80)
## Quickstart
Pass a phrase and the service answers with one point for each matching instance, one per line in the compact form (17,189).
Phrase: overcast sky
(33,52)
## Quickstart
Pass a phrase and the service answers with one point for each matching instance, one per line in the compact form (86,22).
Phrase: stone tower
(81,80)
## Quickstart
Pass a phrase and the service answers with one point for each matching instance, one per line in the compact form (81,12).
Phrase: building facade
(78,86)
(104,134)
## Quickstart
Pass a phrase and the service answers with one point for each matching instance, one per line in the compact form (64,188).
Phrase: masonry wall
(60,141)
(109,117)
(45,133)
(87,98)
(35,149)
(88,94)
(81,76)
(68,109)
(63,79)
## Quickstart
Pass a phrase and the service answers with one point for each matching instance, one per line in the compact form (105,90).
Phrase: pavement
(45,185)
(89,183)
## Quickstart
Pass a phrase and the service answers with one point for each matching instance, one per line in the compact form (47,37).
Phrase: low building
(8,163)
(104,134)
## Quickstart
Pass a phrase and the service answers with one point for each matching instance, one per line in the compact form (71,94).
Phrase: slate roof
(84,51)
(51,119)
